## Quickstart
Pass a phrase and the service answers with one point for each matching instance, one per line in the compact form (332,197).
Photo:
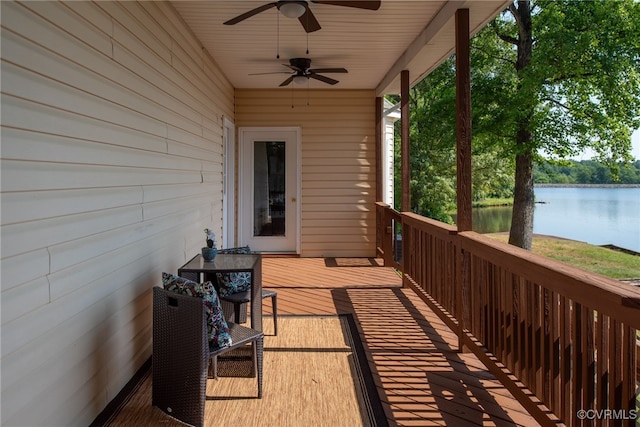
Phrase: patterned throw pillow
(240,250)
(217,328)
(231,283)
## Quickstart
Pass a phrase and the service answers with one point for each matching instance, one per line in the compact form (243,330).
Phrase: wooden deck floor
(422,380)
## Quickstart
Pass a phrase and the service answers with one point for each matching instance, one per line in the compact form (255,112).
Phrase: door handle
(293,199)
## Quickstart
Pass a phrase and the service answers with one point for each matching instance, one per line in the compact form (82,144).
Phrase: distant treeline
(586,172)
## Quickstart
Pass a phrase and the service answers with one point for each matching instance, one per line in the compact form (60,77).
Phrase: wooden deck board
(421,378)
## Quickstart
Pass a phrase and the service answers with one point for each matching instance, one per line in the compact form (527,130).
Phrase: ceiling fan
(300,9)
(302,72)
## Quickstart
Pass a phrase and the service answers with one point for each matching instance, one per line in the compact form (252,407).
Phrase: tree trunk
(521,233)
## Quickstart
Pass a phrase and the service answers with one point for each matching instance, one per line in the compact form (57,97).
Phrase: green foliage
(586,70)
(579,88)
(433,151)
(585,172)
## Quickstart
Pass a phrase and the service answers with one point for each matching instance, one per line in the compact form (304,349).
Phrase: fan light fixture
(292,9)
(300,80)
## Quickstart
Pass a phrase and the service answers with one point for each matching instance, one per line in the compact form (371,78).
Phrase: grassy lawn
(607,262)
(492,202)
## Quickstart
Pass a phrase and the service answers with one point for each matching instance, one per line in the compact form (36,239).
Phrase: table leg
(256,296)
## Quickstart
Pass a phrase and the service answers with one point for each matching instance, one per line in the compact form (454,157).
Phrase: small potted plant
(209,252)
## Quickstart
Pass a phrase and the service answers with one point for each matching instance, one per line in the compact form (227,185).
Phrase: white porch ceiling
(374,46)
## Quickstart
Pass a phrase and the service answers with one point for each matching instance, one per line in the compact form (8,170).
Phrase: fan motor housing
(300,63)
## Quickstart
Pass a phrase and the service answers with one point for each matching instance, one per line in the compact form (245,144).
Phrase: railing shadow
(421,378)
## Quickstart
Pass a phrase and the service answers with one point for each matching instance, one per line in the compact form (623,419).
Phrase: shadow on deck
(420,376)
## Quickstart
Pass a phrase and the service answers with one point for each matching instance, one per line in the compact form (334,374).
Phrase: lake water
(599,216)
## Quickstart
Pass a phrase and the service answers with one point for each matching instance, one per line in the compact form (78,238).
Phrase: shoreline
(587,185)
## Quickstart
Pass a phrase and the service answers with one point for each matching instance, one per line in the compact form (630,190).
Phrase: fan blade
(249,14)
(309,21)
(286,82)
(358,4)
(329,70)
(323,78)
(273,72)
(293,68)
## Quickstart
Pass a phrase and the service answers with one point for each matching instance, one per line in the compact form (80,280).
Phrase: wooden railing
(561,339)
(388,235)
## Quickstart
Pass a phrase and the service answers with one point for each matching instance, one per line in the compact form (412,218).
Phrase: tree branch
(513,9)
(503,37)
(569,77)
(555,101)
(508,39)
(499,58)
(567,108)
(515,14)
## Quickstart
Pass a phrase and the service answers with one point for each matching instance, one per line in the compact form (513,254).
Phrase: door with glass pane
(268,208)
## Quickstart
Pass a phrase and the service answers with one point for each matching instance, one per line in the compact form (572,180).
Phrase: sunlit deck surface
(421,378)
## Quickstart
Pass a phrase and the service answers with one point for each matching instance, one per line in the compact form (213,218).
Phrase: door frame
(245,182)
(228,186)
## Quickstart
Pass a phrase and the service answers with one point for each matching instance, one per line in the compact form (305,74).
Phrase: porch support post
(404,136)
(378,142)
(463,120)
(463,168)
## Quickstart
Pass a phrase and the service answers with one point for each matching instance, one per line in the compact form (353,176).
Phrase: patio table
(231,263)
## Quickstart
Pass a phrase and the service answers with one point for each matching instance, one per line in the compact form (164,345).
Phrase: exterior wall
(338,162)
(111,168)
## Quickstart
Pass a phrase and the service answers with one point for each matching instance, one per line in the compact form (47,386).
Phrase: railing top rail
(429,225)
(608,296)
(394,214)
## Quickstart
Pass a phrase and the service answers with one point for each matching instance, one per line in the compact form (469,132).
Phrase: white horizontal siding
(111,167)
(338,162)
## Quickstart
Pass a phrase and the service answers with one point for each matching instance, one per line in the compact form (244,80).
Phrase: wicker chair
(240,300)
(181,355)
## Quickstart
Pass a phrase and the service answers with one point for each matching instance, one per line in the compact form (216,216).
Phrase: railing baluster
(493,308)
(565,365)
(556,380)
(629,370)
(531,305)
(576,360)
(510,329)
(502,319)
(585,364)
(532,362)
(602,363)
(482,311)
(614,362)
(525,337)
(545,325)
(518,328)
(588,369)
(421,253)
